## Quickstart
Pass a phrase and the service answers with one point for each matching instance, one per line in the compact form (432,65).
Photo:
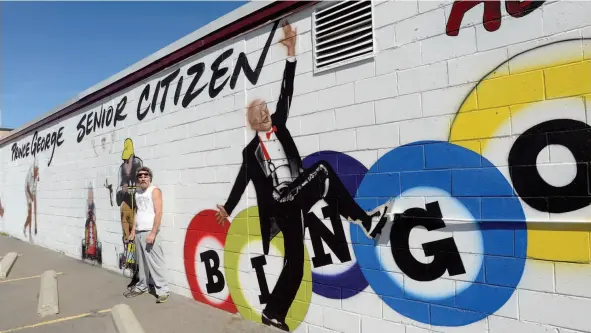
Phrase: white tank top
(144,217)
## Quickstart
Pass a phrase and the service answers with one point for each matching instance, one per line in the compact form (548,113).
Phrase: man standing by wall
(150,257)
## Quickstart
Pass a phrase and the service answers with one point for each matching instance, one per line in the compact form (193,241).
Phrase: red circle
(202,225)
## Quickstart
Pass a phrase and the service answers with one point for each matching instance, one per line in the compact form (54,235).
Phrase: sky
(51,51)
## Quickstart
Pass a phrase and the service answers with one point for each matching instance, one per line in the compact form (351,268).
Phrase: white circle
(208,243)
(247,275)
(557,175)
(460,225)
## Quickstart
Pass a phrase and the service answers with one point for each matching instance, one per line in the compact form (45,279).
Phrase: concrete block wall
(477,132)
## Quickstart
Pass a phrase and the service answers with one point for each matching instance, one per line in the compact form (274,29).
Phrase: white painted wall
(411,91)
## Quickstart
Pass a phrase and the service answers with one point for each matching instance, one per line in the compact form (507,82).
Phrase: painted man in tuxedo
(285,191)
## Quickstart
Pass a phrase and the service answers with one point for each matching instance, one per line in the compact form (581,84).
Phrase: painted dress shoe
(269,321)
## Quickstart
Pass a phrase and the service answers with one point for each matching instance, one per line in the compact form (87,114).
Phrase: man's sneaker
(135,292)
(162,299)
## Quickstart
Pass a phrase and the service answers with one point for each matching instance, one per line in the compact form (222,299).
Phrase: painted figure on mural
(109,187)
(127,184)
(31,194)
(126,191)
(91,248)
(285,191)
(103,144)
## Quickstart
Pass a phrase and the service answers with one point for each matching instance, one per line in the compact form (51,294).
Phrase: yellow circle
(245,230)
(551,72)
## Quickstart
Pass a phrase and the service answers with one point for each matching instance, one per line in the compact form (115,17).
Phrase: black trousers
(321,182)
(296,200)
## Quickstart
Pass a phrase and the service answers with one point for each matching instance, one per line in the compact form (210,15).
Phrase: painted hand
(131,235)
(289,39)
(221,215)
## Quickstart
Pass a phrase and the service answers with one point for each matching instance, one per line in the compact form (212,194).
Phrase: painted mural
(109,188)
(31,182)
(126,192)
(286,191)
(38,144)
(440,234)
(491,12)
(1,208)
(103,144)
(551,119)
(91,246)
(450,234)
(126,186)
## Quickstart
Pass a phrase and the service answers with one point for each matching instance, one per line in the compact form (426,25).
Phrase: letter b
(211,259)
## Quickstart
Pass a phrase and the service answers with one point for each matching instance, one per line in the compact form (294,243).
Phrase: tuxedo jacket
(253,166)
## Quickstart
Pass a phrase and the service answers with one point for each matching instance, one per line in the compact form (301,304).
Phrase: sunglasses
(140,175)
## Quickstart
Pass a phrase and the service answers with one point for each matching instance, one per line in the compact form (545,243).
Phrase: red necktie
(271,132)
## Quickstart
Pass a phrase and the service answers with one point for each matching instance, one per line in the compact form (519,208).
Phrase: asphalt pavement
(86,295)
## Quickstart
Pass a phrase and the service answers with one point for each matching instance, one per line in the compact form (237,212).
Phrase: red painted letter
(491,16)
(518,8)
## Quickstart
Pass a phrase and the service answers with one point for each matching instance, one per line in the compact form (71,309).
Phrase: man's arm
(284,102)
(157,198)
(239,187)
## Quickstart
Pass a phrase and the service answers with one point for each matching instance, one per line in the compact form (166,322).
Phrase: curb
(6,264)
(48,297)
(124,319)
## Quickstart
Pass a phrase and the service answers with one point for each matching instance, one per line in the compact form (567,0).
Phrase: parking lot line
(49,322)
(26,278)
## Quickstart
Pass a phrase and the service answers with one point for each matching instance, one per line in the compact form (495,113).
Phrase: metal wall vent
(342,33)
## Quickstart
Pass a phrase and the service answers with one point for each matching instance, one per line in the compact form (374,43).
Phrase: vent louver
(343,33)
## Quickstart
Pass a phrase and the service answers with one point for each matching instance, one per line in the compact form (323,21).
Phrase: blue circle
(350,282)
(486,194)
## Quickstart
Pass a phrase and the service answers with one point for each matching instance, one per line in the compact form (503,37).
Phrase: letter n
(337,242)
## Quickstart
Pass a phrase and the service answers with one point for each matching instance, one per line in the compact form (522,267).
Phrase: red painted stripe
(264,15)
(265,152)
